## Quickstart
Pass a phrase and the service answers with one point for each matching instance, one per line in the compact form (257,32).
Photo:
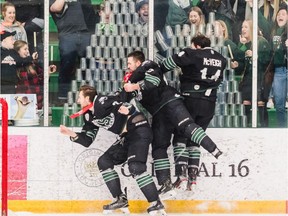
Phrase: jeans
(71,46)
(280,92)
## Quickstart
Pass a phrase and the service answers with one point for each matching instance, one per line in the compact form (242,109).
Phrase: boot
(166,191)
(192,177)
(120,202)
(156,207)
(181,181)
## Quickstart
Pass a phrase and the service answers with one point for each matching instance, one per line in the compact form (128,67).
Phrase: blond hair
(223,25)
(267,5)
(4,7)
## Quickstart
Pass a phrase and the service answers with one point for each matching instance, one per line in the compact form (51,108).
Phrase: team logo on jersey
(150,70)
(115,103)
(102,100)
(106,122)
(86,168)
(181,53)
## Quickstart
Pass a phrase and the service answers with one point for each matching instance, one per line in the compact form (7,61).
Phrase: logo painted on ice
(86,168)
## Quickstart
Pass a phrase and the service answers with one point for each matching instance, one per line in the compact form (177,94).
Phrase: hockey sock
(199,136)
(162,169)
(194,158)
(180,157)
(147,186)
(112,181)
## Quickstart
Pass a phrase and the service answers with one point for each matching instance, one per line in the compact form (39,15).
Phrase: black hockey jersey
(155,92)
(106,115)
(202,70)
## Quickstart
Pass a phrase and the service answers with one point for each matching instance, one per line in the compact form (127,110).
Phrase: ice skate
(166,191)
(181,183)
(120,203)
(156,208)
(191,185)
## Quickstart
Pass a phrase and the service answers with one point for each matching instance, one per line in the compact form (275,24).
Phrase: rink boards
(49,173)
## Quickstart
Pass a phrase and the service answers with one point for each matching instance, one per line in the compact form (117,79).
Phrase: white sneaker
(286,105)
(270,104)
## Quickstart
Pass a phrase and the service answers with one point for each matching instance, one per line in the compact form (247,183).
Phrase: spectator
(221,31)
(159,18)
(9,23)
(31,15)
(105,17)
(245,86)
(75,21)
(279,44)
(239,7)
(197,18)
(177,13)
(31,76)
(142,8)
(9,61)
(223,11)
(268,11)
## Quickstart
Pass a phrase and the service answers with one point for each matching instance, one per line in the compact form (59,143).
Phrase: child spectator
(9,61)
(31,15)
(30,77)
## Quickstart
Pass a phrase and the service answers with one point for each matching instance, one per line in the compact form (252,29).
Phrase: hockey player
(166,106)
(109,112)
(201,73)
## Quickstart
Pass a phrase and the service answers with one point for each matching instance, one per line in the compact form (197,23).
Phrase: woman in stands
(245,65)
(9,23)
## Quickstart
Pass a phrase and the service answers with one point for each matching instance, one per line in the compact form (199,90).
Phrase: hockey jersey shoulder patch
(181,53)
